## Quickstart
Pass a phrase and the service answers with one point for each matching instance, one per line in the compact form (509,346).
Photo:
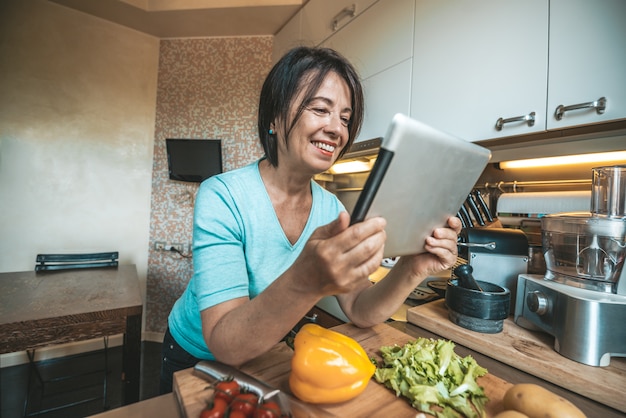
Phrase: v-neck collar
(268,201)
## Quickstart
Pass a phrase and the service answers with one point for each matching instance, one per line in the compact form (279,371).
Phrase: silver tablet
(420,178)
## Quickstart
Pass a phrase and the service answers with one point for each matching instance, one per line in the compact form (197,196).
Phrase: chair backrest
(76,261)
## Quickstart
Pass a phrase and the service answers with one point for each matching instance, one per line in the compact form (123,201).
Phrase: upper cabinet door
(386,94)
(379,43)
(315,22)
(587,61)
(288,37)
(379,38)
(322,18)
(477,62)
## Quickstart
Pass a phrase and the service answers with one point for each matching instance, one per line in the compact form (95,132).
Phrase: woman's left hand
(441,251)
(377,303)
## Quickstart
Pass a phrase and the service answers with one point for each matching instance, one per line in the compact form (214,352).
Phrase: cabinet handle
(599,105)
(347,12)
(529,119)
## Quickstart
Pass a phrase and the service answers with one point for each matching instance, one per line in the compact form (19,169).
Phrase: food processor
(581,300)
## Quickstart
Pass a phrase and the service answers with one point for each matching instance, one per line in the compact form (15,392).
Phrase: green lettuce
(428,372)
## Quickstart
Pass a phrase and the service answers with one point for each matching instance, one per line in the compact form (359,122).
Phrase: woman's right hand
(339,257)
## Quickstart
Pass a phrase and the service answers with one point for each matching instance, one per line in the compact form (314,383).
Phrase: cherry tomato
(209,413)
(244,402)
(227,390)
(237,414)
(217,410)
(268,410)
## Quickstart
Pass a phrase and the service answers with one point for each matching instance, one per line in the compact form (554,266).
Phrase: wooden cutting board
(531,352)
(376,401)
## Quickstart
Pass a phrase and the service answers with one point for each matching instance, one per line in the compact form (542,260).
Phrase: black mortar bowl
(478,311)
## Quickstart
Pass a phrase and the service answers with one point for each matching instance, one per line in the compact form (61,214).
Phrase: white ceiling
(193,18)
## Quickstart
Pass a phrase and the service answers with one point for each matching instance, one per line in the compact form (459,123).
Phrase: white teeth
(325,147)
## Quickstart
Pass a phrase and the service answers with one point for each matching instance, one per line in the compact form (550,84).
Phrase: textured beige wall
(208,88)
(77,115)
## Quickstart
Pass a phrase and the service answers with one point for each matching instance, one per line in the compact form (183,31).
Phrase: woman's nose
(334,123)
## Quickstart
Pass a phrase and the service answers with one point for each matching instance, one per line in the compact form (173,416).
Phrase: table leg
(131,360)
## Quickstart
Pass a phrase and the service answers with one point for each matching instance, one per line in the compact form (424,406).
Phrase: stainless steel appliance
(581,300)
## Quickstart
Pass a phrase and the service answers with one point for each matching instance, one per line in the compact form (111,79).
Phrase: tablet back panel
(420,178)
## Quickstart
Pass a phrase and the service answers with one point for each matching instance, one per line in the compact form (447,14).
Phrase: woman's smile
(326,147)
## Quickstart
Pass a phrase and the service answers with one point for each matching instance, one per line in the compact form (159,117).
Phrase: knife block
(499,263)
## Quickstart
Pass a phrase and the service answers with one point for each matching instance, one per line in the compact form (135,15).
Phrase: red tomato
(237,414)
(246,403)
(227,390)
(211,413)
(268,410)
(217,410)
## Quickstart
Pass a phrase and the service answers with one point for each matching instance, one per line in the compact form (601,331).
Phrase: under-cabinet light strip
(565,160)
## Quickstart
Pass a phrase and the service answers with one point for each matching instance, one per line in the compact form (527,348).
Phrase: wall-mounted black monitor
(193,160)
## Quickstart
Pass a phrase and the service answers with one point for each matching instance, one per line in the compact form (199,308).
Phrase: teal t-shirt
(239,247)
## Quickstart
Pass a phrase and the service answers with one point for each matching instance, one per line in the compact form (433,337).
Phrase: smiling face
(289,89)
(321,132)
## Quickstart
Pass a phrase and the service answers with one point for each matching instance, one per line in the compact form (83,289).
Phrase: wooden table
(47,308)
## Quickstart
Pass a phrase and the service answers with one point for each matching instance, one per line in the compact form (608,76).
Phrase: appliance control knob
(537,302)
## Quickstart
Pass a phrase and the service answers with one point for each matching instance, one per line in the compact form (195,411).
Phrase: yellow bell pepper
(328,367)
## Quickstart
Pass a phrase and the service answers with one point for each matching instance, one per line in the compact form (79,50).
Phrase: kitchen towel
(537,204)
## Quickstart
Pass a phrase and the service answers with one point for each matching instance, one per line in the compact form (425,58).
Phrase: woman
(269,242)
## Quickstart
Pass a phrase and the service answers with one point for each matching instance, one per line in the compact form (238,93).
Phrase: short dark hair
(304,68)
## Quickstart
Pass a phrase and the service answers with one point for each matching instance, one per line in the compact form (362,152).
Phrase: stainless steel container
(608,193)
(583,250)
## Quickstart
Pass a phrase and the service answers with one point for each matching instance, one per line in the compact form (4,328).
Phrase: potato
(511,414)
(538,402)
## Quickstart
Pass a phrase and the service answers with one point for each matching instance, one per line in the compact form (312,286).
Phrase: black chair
(52,262)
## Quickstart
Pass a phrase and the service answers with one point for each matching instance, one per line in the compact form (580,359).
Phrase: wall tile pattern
(207,88)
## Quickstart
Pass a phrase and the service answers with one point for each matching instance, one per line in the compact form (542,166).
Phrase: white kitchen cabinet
(288,37)
(475,62)
(322,18)
(386,94)
(587,60)
(379,43)
(316,21)
(378,39)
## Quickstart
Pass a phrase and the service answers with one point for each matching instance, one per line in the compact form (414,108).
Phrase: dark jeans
(173,359)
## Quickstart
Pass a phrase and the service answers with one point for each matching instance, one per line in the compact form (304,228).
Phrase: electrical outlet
(177,247)
(159,246)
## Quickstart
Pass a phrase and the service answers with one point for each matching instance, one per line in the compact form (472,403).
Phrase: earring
(271,132)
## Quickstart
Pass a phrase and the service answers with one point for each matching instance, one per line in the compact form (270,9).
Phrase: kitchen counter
(530,351)
(166,405)
(591,408)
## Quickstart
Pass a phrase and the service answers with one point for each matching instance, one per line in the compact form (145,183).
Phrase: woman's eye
(326,112)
